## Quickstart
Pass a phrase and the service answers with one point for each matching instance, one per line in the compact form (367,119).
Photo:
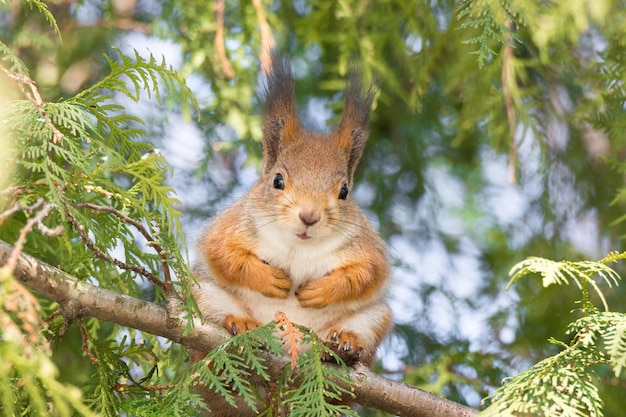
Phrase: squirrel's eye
(343,194)
(279,181)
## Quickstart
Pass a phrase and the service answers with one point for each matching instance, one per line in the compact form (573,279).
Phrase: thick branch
(108,305)
(371,389)
(400,399)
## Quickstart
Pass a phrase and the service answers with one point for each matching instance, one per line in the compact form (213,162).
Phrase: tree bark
(78,298)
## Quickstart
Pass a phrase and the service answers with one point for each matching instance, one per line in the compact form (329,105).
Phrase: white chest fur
(302,260)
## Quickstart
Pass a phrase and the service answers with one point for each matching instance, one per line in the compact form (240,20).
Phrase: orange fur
(233,263)
(356,281)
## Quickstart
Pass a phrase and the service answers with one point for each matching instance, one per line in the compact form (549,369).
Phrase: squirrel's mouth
(304,236)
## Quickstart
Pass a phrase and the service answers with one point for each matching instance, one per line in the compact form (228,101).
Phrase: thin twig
(19,300)
(123,217)
(169,289)
(100,254)
(50,232)
(32,94)
(19,207)
(44,210)
(267,38)
(118,23)
(63,330)
(152,388)
(12,191)
(53,316)
(85,338)
(507,80)
(225,68)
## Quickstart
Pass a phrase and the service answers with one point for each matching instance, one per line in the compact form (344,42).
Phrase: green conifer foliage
(540,85)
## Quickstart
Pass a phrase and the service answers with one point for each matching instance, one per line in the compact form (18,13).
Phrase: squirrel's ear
(280,122)
(353,130)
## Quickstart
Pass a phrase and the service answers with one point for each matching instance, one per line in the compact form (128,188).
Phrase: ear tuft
(280,123)
(353,130)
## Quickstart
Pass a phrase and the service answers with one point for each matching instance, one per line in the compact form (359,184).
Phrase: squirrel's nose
(309,218)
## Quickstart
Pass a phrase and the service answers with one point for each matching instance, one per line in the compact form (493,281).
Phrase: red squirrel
(297,242)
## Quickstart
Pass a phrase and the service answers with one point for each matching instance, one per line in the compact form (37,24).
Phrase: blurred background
(497,134)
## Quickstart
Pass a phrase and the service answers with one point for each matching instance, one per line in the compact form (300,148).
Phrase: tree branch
(29,88)
(109,305)
(508,80)
(140,270)
(267,39)
(151,241)
(226,69)
(371,390)
(44,210)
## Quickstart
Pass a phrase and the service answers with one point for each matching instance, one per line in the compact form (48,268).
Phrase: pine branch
(370,389)
(109,305)
(492,22)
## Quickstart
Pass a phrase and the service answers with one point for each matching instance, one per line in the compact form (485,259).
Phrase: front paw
(275,282)
(345,344)
(314,294)
(236,325)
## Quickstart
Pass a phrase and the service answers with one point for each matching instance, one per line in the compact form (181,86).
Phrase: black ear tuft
(353,130)
(280,123)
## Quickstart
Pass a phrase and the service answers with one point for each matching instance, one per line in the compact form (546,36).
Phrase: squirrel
(297,242)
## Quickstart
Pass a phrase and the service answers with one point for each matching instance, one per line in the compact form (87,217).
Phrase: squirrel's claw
(236,325)
(345,344)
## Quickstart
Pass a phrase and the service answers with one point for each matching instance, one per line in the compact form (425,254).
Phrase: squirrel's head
(309,175)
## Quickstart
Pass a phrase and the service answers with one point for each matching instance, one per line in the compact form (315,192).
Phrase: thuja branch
(370,389)
(42,210)
(102,255)
(29,88)
(169,289)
